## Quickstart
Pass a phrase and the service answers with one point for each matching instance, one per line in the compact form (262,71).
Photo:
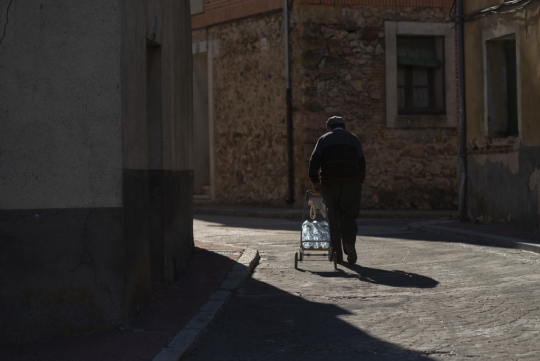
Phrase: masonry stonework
(249,97)
(337,68)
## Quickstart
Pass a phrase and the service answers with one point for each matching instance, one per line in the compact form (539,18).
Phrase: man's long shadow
(393,278)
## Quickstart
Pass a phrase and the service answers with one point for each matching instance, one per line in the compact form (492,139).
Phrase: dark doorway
(201,128)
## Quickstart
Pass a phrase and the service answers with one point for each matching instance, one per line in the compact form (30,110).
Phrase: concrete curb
(186,338)
(479,237)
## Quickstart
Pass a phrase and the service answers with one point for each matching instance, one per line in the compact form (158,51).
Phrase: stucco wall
(157,136)
(527,25)
(61,272)
(91,169)
(60,107)
(339,69)
(503,188)
(61,221)
(503,184)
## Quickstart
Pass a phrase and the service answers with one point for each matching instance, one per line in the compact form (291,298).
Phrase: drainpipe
(462,116)
(288,97)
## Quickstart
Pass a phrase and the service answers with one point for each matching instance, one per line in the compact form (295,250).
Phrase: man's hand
(317,188)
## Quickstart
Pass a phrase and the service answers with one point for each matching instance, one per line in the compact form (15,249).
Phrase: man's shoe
(351,253)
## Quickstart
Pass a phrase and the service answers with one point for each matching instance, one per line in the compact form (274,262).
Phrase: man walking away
(339,157)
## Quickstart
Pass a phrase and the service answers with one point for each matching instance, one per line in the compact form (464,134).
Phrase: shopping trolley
(315,233)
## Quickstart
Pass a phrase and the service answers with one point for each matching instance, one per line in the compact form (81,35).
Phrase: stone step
(201,198)
(206,190)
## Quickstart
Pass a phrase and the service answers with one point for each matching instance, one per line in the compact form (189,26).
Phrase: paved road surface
(415,296)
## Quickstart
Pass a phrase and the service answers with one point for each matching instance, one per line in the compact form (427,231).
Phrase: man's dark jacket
(339,156)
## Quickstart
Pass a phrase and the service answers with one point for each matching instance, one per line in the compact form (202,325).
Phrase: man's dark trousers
(343,202)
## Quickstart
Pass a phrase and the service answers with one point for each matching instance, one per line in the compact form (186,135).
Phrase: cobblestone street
(414,296)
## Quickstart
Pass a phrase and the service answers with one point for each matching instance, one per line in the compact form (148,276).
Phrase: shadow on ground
(148,332)
(376,228)
(393,278)
(262,322)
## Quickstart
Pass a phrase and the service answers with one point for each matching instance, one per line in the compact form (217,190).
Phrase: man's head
(335,122)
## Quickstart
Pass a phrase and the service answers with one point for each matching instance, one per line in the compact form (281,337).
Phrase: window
(421,89)
(501,87)
(420,78)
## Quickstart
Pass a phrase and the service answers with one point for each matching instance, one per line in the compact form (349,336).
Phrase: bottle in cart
(307,234)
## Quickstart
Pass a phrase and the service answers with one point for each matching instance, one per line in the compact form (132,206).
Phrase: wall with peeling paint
(503,176)
(500,192)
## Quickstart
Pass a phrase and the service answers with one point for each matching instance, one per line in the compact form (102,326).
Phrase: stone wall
(339,69)
(249,97)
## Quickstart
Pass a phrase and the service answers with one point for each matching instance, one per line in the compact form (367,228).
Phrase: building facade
(95,162)
(388,67)
(503,132)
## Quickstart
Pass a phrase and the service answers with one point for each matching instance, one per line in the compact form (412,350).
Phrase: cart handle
(308,192)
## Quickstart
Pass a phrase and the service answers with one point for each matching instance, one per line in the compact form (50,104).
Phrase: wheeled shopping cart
(315,233)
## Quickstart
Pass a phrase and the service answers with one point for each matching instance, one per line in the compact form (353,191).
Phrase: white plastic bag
(316,203)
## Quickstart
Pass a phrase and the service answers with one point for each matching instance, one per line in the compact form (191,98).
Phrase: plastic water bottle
(325,231)
(317,230)
(307,234)
(305,231)
(316,234)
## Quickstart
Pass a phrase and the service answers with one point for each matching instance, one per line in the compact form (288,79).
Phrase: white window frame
(393,29)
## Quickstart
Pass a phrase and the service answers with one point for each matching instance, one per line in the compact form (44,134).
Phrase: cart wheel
(296,260)
(335,260)
(330,254)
